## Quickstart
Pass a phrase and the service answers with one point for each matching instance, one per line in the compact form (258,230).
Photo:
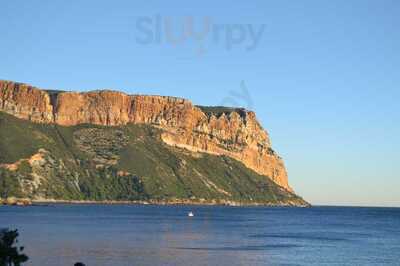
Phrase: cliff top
(208,110)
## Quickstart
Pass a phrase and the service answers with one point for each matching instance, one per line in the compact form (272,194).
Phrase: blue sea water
(165,235)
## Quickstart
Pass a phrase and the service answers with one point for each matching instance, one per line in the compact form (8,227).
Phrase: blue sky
(323,78)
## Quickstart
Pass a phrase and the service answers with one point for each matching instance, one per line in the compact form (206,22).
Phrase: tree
(10,254)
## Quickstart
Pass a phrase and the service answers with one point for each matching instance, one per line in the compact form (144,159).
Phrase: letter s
(143,25)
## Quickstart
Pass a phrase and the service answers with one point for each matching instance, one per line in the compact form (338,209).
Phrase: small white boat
(190,214)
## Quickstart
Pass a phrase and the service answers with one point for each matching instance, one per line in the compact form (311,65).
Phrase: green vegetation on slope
(219,110)
(89,162)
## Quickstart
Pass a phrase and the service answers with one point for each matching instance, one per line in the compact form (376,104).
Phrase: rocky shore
(201,202)
(15,202)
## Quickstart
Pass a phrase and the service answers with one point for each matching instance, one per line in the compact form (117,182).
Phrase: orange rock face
(236,133)
(26,102)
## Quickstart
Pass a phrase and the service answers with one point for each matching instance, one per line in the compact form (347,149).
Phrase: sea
(63,234)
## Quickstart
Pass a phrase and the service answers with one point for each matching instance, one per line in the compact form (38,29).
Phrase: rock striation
(216,130)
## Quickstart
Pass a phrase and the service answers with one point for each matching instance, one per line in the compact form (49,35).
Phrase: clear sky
(323,76)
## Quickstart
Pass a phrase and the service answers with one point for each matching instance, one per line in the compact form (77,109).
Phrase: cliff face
(26,102)
(235,133)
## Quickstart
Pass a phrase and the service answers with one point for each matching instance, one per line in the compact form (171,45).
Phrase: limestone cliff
(222,131)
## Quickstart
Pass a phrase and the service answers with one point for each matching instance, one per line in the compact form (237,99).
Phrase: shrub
(10,254)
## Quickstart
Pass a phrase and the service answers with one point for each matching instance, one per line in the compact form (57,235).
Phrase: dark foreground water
(164,235)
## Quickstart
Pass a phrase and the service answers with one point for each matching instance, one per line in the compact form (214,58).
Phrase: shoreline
(30,202)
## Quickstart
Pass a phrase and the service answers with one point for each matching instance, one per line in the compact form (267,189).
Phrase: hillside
(180,155)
